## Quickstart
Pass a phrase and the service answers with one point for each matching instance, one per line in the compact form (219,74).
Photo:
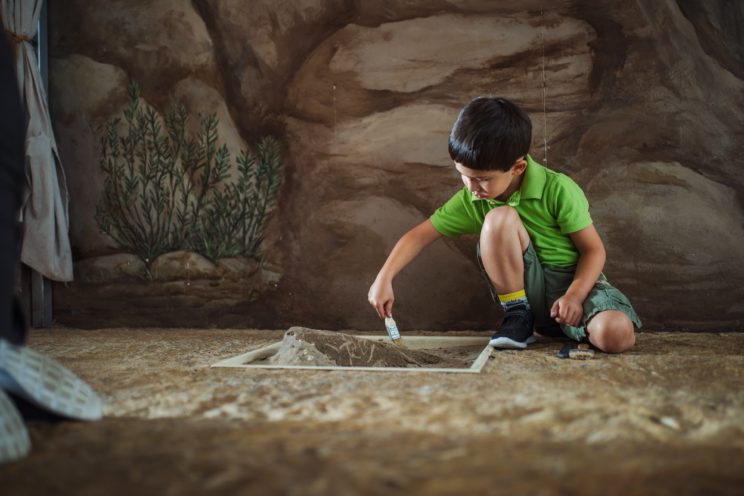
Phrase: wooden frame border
(244,360)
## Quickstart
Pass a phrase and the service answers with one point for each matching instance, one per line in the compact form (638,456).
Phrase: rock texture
(110,268)
(641,102)
(182,265)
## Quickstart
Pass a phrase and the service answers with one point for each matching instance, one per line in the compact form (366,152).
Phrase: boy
(538,248)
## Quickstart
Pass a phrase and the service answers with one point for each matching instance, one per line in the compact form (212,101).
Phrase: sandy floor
(666,418)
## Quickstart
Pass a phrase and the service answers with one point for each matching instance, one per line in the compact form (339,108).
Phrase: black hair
(490,133)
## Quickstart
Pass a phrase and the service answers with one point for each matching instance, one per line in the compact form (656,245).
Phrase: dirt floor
(665,418)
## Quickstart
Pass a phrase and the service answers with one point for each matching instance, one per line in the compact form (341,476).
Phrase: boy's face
(494,183)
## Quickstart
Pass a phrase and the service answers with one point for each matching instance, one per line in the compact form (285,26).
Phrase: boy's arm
(568,308)
(380,294)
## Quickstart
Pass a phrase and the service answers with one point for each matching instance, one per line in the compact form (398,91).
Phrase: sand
(667,417)
(304,346)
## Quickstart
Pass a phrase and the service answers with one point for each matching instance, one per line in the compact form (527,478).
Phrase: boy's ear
(519,166)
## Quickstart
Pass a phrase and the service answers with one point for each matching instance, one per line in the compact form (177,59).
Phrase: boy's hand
(568,310)
(381,297)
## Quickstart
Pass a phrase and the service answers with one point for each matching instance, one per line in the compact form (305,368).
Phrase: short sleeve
(570,206)
(456,217)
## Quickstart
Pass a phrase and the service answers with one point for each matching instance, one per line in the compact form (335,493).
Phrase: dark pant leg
(12,179)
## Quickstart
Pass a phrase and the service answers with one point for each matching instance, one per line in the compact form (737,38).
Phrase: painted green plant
(166,189)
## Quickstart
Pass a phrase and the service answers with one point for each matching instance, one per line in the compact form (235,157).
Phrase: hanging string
(544,90)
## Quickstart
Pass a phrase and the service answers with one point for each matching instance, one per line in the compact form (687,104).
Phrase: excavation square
(303,348)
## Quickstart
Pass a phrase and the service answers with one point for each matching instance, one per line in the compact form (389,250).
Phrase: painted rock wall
(641,102)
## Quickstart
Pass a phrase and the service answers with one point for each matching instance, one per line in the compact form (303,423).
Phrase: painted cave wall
(643,107)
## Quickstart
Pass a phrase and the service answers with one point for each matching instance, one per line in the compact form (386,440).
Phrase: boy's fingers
(388,308)
(554,309)
(376,306)
(573,318)
(577,319)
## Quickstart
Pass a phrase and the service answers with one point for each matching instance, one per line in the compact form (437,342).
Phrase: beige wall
(643,108)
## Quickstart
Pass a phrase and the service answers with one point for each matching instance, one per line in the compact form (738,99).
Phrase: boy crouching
(538,248)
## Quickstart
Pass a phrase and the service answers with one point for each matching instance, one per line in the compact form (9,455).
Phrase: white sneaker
(14,440)
(46,384)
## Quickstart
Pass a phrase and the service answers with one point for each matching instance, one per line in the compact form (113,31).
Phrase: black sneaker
(516,330)
(551,331)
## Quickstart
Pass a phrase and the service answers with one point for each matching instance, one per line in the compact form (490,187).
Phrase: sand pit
(303,346)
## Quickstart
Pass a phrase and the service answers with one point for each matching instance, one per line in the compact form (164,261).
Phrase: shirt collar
(534,180)
(532,186)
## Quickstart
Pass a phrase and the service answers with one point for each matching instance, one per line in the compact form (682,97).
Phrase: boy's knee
(611,331)
(501,223)
(500,219)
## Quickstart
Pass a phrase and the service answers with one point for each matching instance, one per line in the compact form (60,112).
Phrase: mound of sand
(303,346)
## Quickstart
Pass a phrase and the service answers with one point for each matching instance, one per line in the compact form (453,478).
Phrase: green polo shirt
(551,206)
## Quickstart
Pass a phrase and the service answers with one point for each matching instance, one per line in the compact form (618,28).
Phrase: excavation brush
(392,330)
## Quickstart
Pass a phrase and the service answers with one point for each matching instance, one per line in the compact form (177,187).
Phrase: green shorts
(545,285)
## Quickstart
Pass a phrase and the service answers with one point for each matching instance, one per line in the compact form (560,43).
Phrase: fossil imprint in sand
(305,348)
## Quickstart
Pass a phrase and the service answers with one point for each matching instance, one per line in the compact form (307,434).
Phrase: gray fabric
(46,242)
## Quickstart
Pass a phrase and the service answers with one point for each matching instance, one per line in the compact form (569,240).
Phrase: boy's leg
(503,241)
(611,331)
(609,319)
